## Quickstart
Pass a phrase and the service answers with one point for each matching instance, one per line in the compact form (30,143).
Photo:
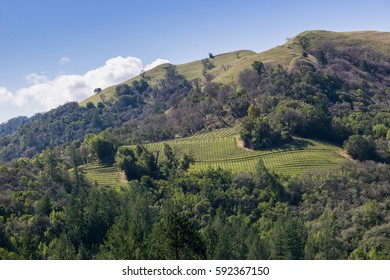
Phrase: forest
(49,210)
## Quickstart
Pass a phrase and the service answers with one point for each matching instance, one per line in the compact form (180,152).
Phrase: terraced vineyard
(221,148)
(103,175)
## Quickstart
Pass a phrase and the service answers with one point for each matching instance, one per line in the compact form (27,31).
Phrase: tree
(380,131)
(323,243)
(322,58)
(101,147)
(257,133)
(137,163)
(122,243)
(258,66)
(126,160)
(257,247)
(267,181)
(360,147)
(61,248)
(175,238)
(231,235)
(288,239)
(28,246)
(90,105)
(44,206)
(123,89)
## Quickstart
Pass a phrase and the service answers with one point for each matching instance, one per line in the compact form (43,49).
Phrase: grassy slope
(286,55)
(103,175)
(190,70)
(219,149)
(215,150)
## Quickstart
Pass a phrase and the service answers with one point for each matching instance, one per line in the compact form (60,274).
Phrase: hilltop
(214,67)
(229,65)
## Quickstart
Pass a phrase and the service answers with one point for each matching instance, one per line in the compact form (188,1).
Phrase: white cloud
(64,60)
(44,94)
(5,95)
(34,79)
(155,63)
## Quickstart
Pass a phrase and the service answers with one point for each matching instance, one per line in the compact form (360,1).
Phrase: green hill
(221,148)
(353,85)
(221,63)
(332,87)
(292,51)
(229,65)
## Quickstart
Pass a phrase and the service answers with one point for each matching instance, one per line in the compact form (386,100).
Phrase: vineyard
(220,149)
(103,175)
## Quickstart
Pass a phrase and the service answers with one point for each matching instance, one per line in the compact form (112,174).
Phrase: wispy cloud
(64,60)
(35,78)
(44,94)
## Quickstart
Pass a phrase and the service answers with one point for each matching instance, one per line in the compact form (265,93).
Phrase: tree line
(48,210)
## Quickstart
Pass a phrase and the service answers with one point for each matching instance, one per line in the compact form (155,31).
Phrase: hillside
(193,70)
(228,66)
(258,163)
(223,149)
(292,51)
(339,78)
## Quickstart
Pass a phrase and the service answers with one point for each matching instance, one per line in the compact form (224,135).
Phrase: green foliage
(322,243)
(258,134)
(380,130)
(360,147)
(212,214)
(258,66)
(220,148)
(337,91)
(175,238)
(288,239)
(101,147)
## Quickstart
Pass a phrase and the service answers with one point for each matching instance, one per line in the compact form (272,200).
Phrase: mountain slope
(292,51)
(193,70)
(341,80)
(229,65)
(222,148)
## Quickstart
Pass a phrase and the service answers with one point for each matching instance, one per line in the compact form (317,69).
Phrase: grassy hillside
(222,149)
(229,65)
(103,175)
(192,70)
(292,51)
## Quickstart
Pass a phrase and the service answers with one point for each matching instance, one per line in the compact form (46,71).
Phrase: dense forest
(49,211)
(335,93)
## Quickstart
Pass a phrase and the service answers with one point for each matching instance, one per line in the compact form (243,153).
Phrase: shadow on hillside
(297,144)
(107,161)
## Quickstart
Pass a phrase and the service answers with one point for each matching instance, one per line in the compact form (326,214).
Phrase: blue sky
(56,51)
